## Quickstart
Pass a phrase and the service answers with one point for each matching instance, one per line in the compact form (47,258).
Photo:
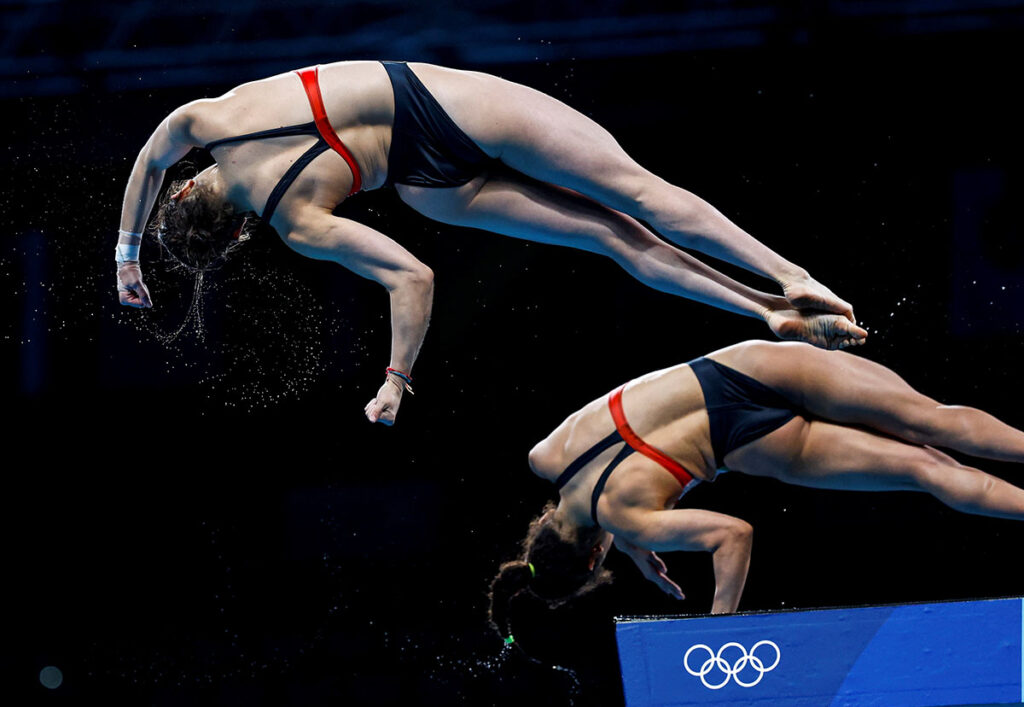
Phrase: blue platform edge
(908,655)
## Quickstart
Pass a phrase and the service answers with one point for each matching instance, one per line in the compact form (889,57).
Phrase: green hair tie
(510,640)
(533,572)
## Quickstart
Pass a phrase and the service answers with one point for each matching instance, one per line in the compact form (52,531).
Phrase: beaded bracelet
(405,377)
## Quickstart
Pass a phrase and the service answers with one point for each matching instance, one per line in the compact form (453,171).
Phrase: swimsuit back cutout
(320,126)
(633,443)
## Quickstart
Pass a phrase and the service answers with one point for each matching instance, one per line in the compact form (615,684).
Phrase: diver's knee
(927,423)
(650,193)
(924,474)
(663,204)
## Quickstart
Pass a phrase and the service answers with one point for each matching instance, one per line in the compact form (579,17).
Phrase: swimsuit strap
(289,176)
(311,82)
(633,443)
(318,148)
(320,126)
(599,486)
(585,458)
(633,440)
(285,131)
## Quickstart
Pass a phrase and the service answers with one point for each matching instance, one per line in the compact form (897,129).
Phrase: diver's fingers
(129,299)
(379,411)
(657,563)
(856,332)
(143,294)
(670,587)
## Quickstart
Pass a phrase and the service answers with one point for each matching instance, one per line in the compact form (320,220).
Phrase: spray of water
(193,315)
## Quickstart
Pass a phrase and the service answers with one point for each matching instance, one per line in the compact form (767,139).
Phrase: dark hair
(199,230)
(560,555)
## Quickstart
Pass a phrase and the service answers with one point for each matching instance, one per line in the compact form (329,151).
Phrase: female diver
(462,148)
(787,411)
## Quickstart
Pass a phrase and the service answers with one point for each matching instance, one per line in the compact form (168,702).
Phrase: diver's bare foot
(827,331)
(804,292)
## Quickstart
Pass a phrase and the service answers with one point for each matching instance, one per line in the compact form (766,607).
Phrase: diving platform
(908,655)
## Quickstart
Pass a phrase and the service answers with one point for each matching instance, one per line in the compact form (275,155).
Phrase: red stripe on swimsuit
(633,440)
(311,82)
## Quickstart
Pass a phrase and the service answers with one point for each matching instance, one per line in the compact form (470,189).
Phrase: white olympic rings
(715,660)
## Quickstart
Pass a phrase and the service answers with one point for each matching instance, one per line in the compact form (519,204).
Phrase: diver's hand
(384,407)
(827,331)
(131,291)
(651,566)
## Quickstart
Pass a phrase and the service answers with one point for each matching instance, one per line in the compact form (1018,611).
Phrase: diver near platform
(787,411)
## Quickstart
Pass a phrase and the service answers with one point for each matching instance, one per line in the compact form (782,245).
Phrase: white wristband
(124,252)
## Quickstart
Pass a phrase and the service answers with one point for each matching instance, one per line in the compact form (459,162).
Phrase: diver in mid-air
(463,148)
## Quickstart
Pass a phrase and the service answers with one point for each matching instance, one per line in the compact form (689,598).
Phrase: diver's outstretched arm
(169,143)
(728,539)
(315,233)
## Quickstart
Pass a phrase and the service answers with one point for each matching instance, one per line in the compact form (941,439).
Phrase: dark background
(213,521)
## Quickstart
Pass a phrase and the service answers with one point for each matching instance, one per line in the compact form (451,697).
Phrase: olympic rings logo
(715,660)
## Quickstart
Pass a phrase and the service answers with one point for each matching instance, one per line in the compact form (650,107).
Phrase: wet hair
(560,556)
(199,231)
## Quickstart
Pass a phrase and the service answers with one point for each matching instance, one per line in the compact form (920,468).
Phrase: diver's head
(197,225)
(560,561)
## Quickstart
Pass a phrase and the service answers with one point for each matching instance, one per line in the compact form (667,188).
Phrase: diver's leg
(511,204)
(849,389)
(825,455)
(547,140)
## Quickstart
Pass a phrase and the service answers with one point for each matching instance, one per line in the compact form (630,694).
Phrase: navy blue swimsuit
(740,409)
(427,148)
